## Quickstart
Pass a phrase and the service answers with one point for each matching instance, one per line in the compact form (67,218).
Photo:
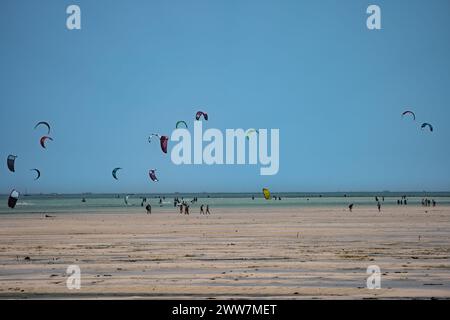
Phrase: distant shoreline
(239,195)
(288,194)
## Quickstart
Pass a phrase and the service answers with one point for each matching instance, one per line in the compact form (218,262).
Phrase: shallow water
(113,202)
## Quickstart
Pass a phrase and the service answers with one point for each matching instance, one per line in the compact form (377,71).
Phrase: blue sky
(310,68)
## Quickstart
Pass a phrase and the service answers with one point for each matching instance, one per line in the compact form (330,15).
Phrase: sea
(91,202)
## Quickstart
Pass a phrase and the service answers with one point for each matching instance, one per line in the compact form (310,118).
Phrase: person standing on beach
(186,209)
(181,208)
(207,209)
(201,210)
(379,206)
(148,208)
(350,207)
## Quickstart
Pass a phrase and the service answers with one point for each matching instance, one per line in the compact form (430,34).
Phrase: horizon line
(230,192)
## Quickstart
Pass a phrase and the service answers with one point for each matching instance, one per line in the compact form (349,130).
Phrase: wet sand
(293,253)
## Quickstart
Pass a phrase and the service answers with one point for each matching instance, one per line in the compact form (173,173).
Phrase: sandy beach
(285,253)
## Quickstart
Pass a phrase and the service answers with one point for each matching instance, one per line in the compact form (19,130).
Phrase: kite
(201,113)
(152,175)
(43,139)
(164,140)
(409,112)
(38,173)
(251,131)
(266,193)
(114,172)
(427,125)
(45,124)
(151,136)
(12,200)
(181,122)
(10,162)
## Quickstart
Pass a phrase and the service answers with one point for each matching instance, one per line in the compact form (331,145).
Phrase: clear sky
(335,89)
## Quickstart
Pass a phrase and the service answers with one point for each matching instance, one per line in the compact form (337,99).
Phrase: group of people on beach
(202,211)
(205,210)
(183,206)
(428,203)
(403,201)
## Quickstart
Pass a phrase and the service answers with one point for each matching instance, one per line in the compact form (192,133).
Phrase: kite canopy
(424,125)
(164,140)
(151,137)
(12,200)
(114,172)
(181,123)
(43,139)
(266,193)
(201,113)
(38,173)
(43,123)
(250,132)
(152,174)
(409,112)
(10,162)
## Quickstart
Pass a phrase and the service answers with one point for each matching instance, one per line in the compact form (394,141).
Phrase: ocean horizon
(286,194)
